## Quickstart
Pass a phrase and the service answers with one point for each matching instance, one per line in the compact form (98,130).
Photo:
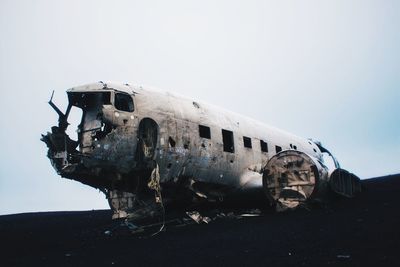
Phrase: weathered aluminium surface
(145,148)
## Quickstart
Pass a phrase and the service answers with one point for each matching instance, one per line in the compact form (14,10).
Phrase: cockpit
(101,113)
(87,100)
(90,128)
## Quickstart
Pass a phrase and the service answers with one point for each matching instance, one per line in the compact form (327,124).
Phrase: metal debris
(196,216)
(343,256)
(251,213)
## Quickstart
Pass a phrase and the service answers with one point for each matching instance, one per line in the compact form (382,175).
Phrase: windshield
(123,102)
(89,100)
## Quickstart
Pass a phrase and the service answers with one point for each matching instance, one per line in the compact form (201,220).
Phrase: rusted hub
(291,177)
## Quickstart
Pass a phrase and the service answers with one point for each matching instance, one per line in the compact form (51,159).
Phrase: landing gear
(126,205)
(121,203)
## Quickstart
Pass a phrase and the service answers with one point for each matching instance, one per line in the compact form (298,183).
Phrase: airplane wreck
(145,148)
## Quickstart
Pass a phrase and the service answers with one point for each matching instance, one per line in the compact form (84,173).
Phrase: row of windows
(228,142)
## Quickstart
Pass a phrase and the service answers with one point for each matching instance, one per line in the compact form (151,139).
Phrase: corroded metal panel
(127,132)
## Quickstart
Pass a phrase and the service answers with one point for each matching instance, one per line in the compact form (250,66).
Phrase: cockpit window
(86,100)
(123,102)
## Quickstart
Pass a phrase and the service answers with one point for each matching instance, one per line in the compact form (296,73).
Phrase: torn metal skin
(143,148)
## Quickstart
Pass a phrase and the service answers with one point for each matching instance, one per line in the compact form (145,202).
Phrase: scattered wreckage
(145,148)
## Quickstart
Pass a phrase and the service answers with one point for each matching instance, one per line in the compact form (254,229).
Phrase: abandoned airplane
(143,148)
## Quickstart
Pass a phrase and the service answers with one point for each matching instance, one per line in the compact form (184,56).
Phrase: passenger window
(247,142)
(123,102)
(204,131)
(264,146)
(278,149)
(227,139)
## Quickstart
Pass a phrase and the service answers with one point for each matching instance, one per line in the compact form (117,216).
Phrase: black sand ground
(360,232)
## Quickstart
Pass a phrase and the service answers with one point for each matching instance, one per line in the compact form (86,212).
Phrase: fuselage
(127,130)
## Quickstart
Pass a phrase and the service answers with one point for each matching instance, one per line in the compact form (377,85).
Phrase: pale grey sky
(322,69)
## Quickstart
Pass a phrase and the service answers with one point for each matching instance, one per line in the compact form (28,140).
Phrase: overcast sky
(329,70)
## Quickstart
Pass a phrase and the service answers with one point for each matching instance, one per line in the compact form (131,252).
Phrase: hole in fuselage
(104,130)
(74,120)
(171,142)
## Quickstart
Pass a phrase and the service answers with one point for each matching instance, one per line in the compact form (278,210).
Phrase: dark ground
(358,232)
